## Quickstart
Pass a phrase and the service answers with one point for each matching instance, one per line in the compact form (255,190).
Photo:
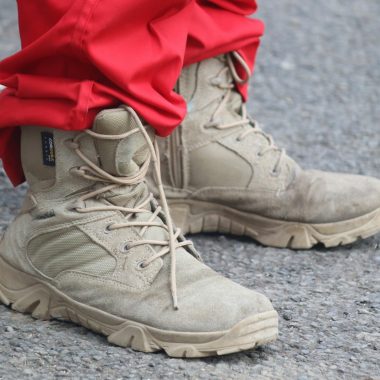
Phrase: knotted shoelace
(229,86)
(93,172)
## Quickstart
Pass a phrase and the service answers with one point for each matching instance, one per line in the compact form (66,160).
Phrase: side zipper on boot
(175,154)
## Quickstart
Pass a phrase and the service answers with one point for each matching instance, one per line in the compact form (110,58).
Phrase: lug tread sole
(44,301)
(196,217)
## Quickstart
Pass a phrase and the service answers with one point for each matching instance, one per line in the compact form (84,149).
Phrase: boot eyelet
(275,173)
(71,144)
(107,228)
(125,247)
(214,124)
(72,208)
(68,142)
(74,170)
(141,265)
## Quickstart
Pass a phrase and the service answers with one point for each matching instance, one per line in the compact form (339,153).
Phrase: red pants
(80,56)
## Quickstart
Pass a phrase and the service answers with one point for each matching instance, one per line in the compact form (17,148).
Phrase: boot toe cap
(207,301)
(224,305)
(333,197)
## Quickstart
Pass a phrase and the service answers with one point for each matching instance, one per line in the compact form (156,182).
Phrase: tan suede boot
(91,245)
(223,174)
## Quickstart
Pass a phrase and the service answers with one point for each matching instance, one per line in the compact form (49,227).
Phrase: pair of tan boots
(92,245)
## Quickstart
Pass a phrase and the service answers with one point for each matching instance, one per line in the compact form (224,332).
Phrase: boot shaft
(217,146)
(194,144)
(204,85)
(48,161)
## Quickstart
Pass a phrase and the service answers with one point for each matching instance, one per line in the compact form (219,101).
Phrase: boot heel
(23,292)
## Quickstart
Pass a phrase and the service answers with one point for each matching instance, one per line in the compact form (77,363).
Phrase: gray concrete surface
(317,89)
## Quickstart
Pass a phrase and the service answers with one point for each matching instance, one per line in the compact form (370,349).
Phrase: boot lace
(229,86)
(93,172)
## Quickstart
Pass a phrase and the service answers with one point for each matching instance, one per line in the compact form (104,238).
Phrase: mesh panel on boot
(69,249)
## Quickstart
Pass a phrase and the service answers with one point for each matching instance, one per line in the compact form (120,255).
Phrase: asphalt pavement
(317,90)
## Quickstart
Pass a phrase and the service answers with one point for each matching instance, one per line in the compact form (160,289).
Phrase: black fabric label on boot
(48,151)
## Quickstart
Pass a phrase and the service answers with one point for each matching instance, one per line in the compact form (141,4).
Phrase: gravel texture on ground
(317,89)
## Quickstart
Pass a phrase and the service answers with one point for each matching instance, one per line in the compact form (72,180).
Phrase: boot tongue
(121,157)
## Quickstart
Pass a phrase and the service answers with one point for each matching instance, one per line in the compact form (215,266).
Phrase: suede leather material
(207,301)
(239,171)
(220,167)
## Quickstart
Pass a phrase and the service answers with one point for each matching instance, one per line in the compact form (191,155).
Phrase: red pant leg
(80,56)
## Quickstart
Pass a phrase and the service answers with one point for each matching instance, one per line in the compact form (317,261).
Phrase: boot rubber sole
(197,216)
(28,294)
